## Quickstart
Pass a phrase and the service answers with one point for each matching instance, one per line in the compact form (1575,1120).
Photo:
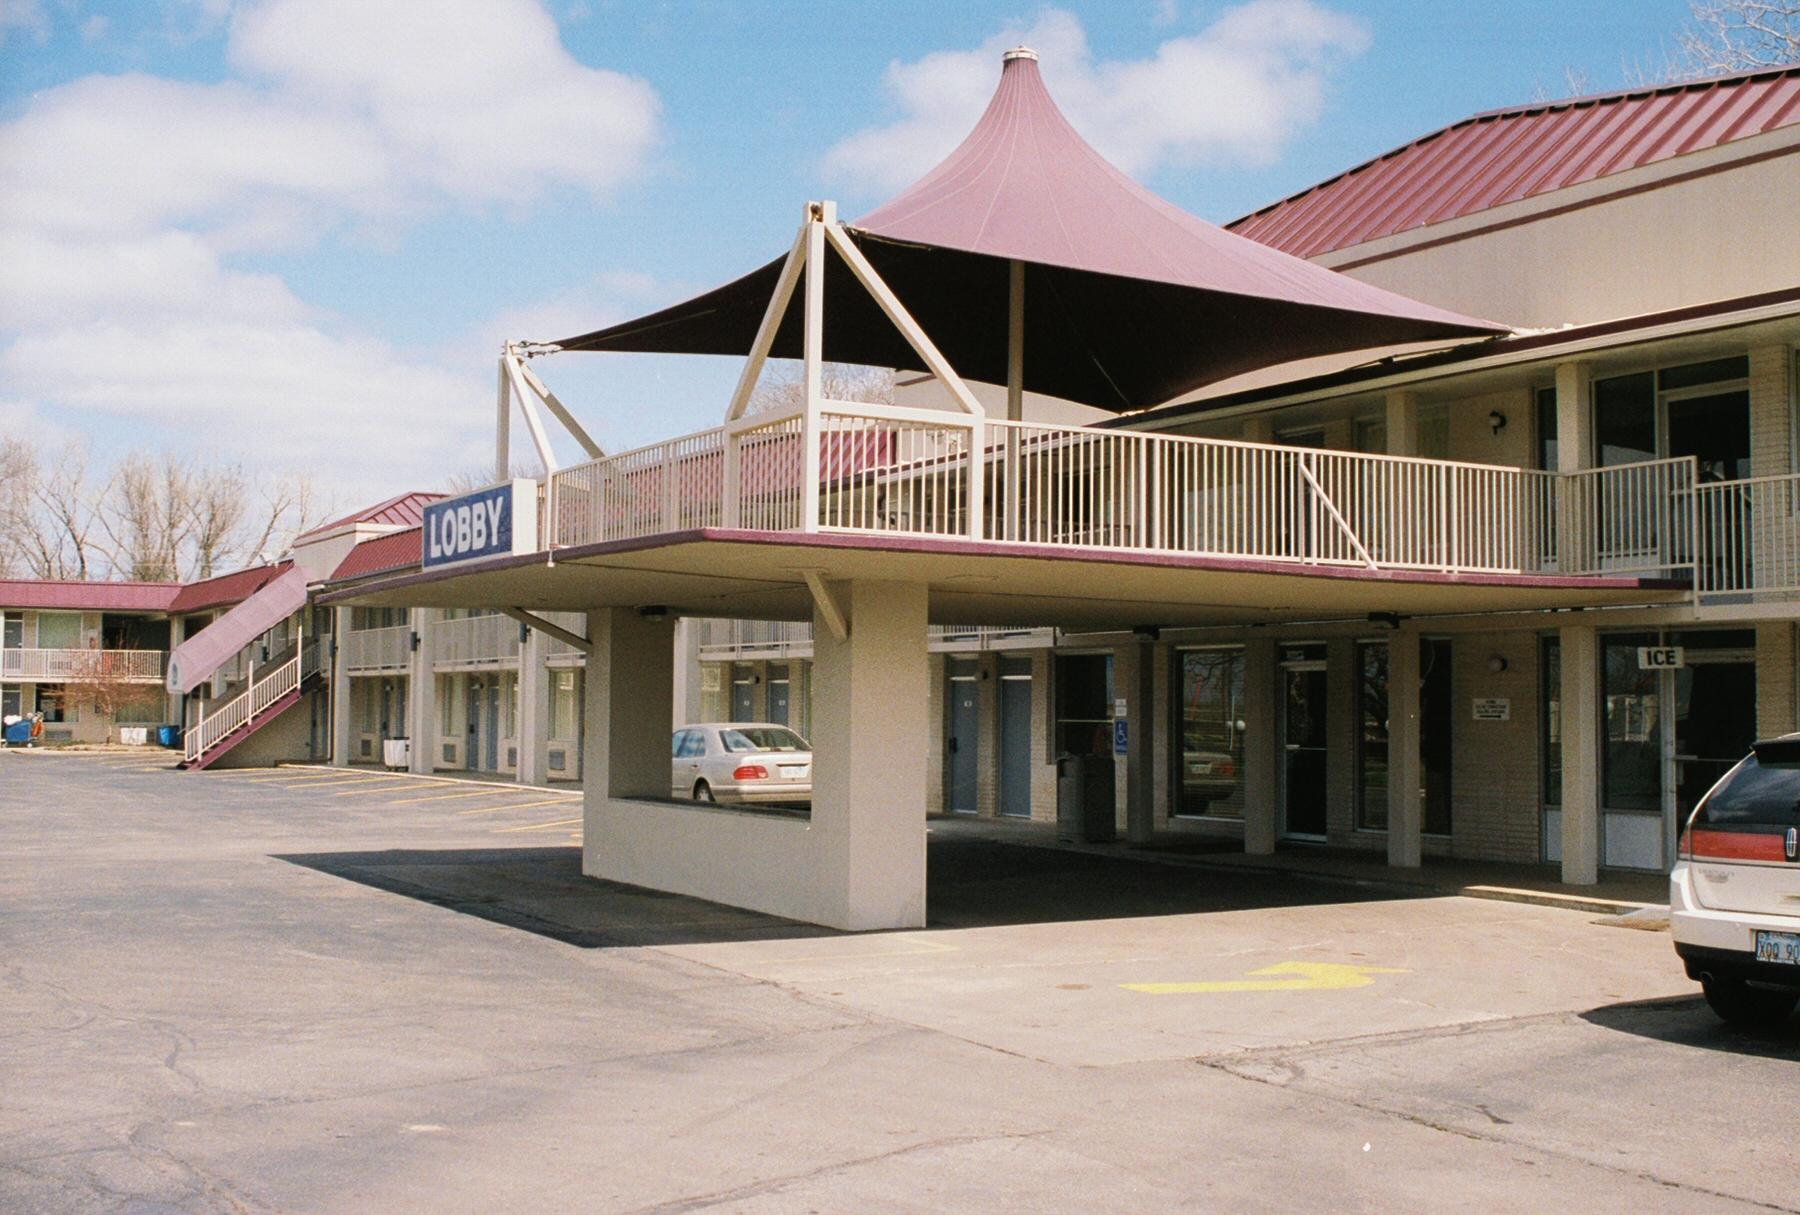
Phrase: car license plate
(1781,947)
(793,771)
(1199,769)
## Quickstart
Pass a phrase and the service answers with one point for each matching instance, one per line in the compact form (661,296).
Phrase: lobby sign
(493,522)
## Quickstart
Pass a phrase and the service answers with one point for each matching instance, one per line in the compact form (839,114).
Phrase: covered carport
(1130,302)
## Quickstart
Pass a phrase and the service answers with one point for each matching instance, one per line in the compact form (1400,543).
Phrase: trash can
(1085,801)
(168,736)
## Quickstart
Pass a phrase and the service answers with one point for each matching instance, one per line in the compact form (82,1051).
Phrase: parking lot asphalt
(310,990)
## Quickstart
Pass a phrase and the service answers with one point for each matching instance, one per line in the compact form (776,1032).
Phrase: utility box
(1085,802)
(396,753)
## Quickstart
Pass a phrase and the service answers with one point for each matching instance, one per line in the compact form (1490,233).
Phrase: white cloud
(1238,90)
(24,16)
(124,201)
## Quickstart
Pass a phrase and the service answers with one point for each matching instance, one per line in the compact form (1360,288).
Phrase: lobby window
(1372,736)
(1209,733)
(1545,409)
(54,703)
(1631,767)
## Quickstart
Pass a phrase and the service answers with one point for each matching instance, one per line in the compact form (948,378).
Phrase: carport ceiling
(759,576)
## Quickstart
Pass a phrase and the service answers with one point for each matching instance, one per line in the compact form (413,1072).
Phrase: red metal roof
(1506,155)
(74,596)
(396,550)
(406,510)
(226,588)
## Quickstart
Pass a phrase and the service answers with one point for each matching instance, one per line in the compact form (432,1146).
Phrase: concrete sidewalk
(1617,893)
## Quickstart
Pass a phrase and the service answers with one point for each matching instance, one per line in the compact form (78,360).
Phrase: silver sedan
(743,762)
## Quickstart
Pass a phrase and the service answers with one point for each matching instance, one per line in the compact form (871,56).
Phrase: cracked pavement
(224,993)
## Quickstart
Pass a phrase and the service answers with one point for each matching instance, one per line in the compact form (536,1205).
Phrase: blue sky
(293,233)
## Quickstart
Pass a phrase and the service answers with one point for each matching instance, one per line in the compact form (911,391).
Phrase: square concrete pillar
(1406,802)
(533,734)
(688,706)
(630,692)
(870,739)
(1579,703)
(340,687)
(1402,423)
(421,702)
(1262,743)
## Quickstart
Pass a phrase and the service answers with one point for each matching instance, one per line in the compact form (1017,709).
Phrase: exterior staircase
(273,689)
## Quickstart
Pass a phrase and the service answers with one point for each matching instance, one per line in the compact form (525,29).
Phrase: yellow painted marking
(1283,976)
(317,782)
(561,822)
(554,801)
(386,786)
(438,797)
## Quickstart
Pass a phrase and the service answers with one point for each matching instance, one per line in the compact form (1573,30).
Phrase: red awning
(193,662)
(1130,301)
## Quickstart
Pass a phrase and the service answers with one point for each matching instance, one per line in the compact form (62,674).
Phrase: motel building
(1445,508)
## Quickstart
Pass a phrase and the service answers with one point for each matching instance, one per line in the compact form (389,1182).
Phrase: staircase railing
(213,728)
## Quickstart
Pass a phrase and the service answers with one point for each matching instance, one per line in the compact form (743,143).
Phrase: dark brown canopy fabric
(1129,301)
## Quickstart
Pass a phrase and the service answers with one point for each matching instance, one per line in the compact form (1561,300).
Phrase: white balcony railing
(890,470)
(1747,538)
(474,641)
(367,651)
(725,639)
(79,666)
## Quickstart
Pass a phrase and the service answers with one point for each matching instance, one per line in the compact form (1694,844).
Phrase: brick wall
(1771,423)
(1774,679)
(1494,785)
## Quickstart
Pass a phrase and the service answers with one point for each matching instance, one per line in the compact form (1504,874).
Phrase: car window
(761,738)
(1754,795)
(678,743)
(693,743)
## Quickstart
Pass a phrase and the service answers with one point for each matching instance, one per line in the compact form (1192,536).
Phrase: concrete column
(629,691)
(534,710)
(1259,429)
(1403,423)
(688,705)
(1406,804)
(1261,743)
(1574,420)
(870,739)
(1140,754)
(340,687)
(421,697)
(987,704)
(1580,711)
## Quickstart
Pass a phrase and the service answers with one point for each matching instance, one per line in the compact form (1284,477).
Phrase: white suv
(1734,895)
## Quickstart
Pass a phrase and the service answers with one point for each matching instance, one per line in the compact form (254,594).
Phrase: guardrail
(474,641)
(1747,537)
(892,470)
(370,650)
(213,728)
(77,666)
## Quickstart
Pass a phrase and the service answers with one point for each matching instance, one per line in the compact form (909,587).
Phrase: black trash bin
(1085,802)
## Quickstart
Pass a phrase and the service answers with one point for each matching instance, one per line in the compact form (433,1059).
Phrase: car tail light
(1226,768)
(751,772)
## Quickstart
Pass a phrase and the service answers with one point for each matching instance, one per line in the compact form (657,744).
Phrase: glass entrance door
(1714,703)
(1303,742)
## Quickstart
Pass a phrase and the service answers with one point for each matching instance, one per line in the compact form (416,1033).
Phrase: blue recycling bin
(168,736)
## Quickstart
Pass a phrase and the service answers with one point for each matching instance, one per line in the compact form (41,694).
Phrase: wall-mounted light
(1496,421)
(1497,664)
(654,611)
(1146,632)
(1389,620)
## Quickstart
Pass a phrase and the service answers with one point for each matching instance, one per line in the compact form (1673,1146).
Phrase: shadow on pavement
(1689,1022)
(970,884)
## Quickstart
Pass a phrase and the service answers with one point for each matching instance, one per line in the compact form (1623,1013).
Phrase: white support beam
(561,411)
(813,366)
(503,424)
(830,610)
(509,365)
(771,322)
(1015,341)
(890,304)
(533,621)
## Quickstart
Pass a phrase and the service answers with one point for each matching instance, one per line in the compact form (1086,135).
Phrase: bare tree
(783,385)
(103,681)
(154,518)
(1739,36)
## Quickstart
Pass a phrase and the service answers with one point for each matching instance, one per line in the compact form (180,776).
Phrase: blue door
(1015,737)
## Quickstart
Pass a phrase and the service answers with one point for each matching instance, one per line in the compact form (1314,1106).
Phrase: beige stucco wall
(1728,234)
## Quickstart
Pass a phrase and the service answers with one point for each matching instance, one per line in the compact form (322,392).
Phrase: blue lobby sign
(479,524)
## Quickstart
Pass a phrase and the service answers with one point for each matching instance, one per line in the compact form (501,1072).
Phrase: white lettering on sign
(480,524)
(1493,708)
(1120,709)
(1661,658)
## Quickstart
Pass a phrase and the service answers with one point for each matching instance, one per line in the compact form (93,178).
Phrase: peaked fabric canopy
(1129,301)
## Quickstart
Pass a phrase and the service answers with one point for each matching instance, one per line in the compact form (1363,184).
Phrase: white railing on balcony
(78,666)
(215,726)
(384,649)
(888,470)
(474,641)
(742,638)
(1747,537)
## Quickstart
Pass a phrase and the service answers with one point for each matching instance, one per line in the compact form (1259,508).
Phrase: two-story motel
(1482,546)
(1479,543)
